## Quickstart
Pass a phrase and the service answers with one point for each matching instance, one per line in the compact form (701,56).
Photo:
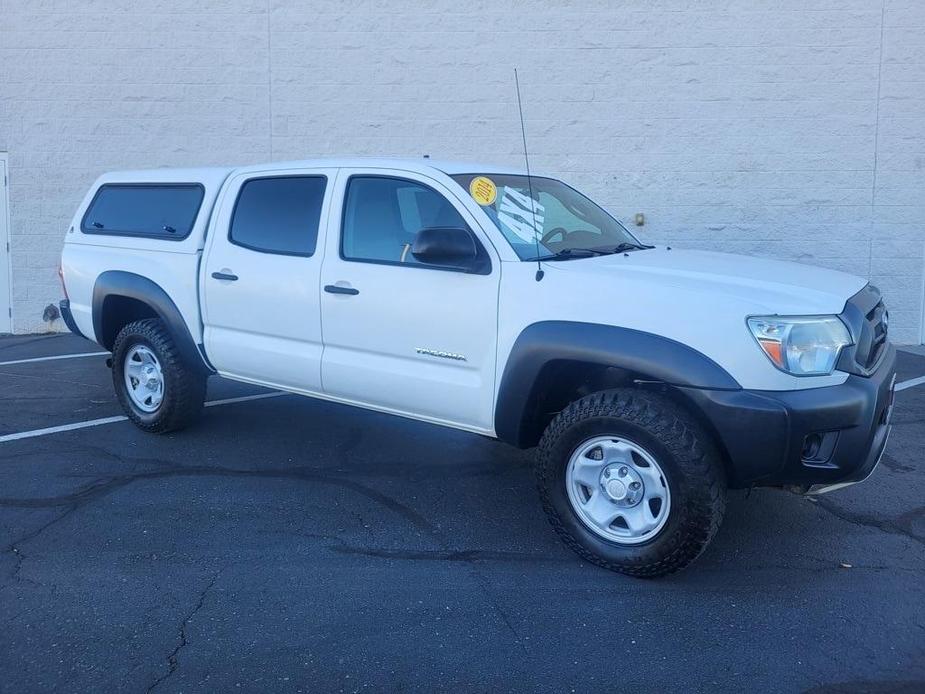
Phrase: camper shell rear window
(160,210)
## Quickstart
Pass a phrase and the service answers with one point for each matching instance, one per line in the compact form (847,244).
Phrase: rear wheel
(631,482)
(158,391)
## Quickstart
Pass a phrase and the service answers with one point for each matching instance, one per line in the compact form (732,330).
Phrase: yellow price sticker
(483,190)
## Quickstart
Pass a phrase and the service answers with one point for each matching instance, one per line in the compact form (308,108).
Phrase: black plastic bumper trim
(762,432)
(65,307)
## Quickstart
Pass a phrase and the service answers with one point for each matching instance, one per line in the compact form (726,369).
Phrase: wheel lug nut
(606,473)
(634,485)
(623,472)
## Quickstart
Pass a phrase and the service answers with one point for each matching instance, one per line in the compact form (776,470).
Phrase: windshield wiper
(627,246)
(570,253)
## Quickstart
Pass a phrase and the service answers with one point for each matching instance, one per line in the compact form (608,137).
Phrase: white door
(401,335)
(259,278)
(6,321)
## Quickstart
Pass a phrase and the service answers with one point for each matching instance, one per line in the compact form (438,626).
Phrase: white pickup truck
(650,379)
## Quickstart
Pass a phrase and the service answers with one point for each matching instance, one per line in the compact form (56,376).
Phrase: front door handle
(225,276)
(337,289)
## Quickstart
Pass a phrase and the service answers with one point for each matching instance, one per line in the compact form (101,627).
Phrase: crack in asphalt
(902,525)
(104,486)
(101,487)
(15,548)
(173,657)
(889,462)
(462,555)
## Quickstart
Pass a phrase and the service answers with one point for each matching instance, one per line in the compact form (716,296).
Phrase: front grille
(873,335)
(869,320)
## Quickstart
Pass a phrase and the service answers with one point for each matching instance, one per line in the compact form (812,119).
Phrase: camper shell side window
(160,210)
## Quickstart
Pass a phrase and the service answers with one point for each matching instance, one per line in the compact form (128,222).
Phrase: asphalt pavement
(285,544)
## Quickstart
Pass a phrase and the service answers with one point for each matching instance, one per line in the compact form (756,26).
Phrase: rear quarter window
(166,210)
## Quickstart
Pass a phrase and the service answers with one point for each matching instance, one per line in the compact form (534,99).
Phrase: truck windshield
(556,221)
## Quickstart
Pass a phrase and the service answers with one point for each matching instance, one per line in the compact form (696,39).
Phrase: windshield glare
(555,219)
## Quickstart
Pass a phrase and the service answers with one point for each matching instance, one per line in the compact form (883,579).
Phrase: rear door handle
(224,276)
(337,289)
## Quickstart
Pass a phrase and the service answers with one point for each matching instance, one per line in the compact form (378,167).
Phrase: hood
(765,286)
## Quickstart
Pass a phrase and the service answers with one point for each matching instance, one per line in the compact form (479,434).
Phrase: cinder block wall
(784,128)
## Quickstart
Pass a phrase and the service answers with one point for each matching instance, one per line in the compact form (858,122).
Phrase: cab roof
(219,173)
(422,165)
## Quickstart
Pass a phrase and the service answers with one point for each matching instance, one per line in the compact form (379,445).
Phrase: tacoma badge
(438,353)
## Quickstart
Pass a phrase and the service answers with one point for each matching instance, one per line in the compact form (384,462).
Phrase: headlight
(802,346)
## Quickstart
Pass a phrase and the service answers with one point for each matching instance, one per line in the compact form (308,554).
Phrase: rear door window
(166,210)
(279,215)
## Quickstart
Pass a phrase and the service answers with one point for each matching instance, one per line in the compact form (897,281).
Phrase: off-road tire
(184,384)
(684,451)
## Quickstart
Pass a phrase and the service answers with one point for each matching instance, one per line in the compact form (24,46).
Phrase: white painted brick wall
(783,128)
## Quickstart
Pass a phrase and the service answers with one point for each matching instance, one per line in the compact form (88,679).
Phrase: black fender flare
(651,357)
(133,286)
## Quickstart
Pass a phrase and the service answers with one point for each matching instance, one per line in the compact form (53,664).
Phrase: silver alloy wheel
(618,490)
(144,379)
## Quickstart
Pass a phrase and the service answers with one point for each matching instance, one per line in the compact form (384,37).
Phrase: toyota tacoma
(649,379)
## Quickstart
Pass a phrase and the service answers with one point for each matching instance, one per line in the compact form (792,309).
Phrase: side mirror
(450,247)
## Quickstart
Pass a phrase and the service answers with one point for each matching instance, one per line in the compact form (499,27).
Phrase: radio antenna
(523,134)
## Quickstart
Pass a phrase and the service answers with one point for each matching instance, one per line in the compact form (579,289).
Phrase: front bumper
(816,439)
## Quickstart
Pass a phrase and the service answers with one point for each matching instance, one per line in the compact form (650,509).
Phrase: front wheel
(631,482)
(157,390)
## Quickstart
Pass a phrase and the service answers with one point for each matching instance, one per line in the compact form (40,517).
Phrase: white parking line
(910,383)
(60,356)
(121,418)
(64,427)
